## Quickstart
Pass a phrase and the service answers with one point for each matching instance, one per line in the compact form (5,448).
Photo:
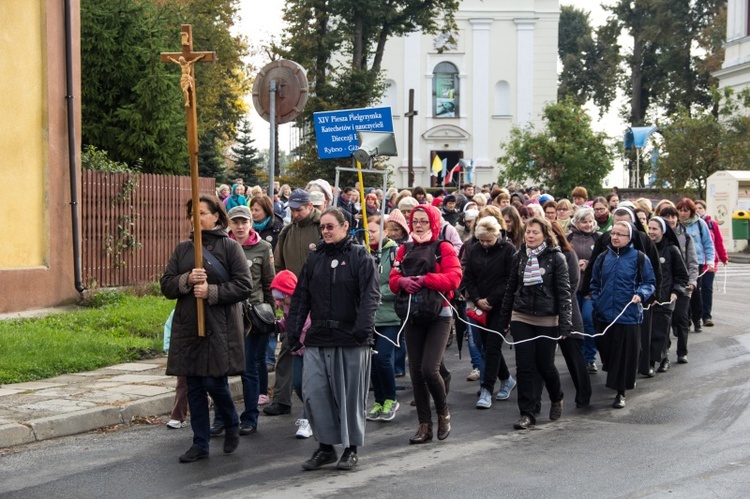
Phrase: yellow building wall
(23,135)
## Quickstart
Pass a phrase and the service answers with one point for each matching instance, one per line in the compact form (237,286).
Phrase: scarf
(252,239)
(261,226)
(531,274)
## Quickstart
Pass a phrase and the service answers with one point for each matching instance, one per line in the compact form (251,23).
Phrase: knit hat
(398,217)
(449,198)
(407,204)
(285,281)
(471,214)
(323,185)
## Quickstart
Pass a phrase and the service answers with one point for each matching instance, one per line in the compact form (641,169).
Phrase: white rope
(397,344)
(726,271)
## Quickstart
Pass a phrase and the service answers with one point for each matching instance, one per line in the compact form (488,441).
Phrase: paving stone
(144,390)
(135,378)
(132,366)
(74,423)
(33,385)
(59,406)
(15,434)
(8,391)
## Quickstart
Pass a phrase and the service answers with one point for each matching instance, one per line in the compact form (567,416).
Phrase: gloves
(411,284)
(296,346)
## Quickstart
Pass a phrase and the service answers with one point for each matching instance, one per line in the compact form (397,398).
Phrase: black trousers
(535,359)
(696,300)
(644,354)
(660,324)
(426,346)
(572,350)
(681,323)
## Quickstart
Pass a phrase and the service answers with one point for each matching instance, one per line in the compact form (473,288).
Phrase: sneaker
(473,375)
(708,323)
(375,413)
(217,429)
(591,368)
(525,423)
(663,366)
(348,461)
(619,402)
(263,399)
(176,424)
(682,359)
(193,454)
(506,386)
(246,429)
(485,399)
(389,410)
(305,430)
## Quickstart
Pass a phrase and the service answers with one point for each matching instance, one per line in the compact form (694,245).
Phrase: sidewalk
(739,257)
(77,403)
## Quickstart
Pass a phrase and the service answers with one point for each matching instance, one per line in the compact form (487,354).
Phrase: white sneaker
(485,399)
(176,424)
(473,375)
(305,430)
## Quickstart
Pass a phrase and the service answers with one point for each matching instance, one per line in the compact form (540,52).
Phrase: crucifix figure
(187,59)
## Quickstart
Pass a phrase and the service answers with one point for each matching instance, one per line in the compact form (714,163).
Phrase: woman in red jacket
(423,268)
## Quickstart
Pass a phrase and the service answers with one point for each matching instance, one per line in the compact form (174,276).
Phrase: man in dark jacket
(294,244)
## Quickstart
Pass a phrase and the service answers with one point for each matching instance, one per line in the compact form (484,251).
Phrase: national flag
(437,165)
(453,172)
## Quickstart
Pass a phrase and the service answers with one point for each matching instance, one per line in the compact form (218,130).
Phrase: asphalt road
(685,433)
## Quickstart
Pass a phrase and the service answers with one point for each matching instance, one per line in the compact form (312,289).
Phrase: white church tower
(499,70)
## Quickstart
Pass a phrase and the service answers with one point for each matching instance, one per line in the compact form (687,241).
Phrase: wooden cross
(410,116)
(187,59)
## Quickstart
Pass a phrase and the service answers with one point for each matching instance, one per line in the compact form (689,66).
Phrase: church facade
(471,87)
(735,72)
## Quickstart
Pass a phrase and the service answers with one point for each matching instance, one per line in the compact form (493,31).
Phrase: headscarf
(433,214)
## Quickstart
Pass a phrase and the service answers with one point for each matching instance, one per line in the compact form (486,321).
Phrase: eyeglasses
(617,234)
(420,222)
(600,209)
(329,227)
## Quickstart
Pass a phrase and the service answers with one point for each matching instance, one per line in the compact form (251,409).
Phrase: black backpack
(426,303)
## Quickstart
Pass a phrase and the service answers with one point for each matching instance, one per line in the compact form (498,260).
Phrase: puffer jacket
(221,352)
(613,284)
(338,287)
(552,297)
(487,271)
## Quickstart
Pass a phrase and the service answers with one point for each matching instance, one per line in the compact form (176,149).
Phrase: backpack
(426,303)
(639,273)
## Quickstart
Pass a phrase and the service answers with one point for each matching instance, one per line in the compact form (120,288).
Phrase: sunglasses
(329,227)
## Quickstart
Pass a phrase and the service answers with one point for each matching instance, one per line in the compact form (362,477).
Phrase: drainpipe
(72,150)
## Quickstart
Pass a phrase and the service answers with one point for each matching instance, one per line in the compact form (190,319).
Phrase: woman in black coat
(266,223)
(208,360)
(538,303)
(674,283)
(487,265)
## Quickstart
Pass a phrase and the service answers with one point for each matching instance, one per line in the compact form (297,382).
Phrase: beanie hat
(285,281)
(407,203)
(471,214)
(398,217)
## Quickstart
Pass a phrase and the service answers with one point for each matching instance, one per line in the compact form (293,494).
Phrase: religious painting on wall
(445,91)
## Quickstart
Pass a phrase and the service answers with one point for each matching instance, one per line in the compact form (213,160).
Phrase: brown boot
(444,426)
(423,435)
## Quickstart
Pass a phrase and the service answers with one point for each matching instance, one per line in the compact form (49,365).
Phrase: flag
(437,166)
(444,171)
(453,171)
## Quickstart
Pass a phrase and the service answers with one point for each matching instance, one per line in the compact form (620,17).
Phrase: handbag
(259,318)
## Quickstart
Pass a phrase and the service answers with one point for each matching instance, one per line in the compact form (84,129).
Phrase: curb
(73,423)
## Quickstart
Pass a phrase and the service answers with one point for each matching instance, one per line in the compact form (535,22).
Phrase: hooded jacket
(338,287)
(221,352)
(613,284)
(259,257)
(704,245)
(235,199)
(447,275)
(386,314)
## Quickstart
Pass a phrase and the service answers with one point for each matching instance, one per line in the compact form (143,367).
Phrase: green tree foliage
(564,154)
(247,162)
(132,105)
(701,144)
(590,59)
(674,48)
(320,32)
(211,162)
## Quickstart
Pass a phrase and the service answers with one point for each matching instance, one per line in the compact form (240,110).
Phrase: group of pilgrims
(609,282)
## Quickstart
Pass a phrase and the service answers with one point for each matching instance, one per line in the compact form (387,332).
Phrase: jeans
(273,340)
(399,356)
(494,362)
(476,357)
(382,375)
(200,419)
(298,365)
(254,344)
(587,313)
(708,294)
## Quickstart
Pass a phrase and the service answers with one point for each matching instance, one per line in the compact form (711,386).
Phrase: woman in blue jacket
(697,229)
(621,278)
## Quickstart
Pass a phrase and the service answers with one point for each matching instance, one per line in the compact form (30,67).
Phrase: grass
(114,327)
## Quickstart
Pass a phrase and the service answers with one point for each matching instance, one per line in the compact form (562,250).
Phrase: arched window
(445,91)
(389,98)
(502,98)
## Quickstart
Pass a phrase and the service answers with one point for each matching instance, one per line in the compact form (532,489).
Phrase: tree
(698,145)
(321,31)
(211,163)
(247,161)
(564,154)
(132,103)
